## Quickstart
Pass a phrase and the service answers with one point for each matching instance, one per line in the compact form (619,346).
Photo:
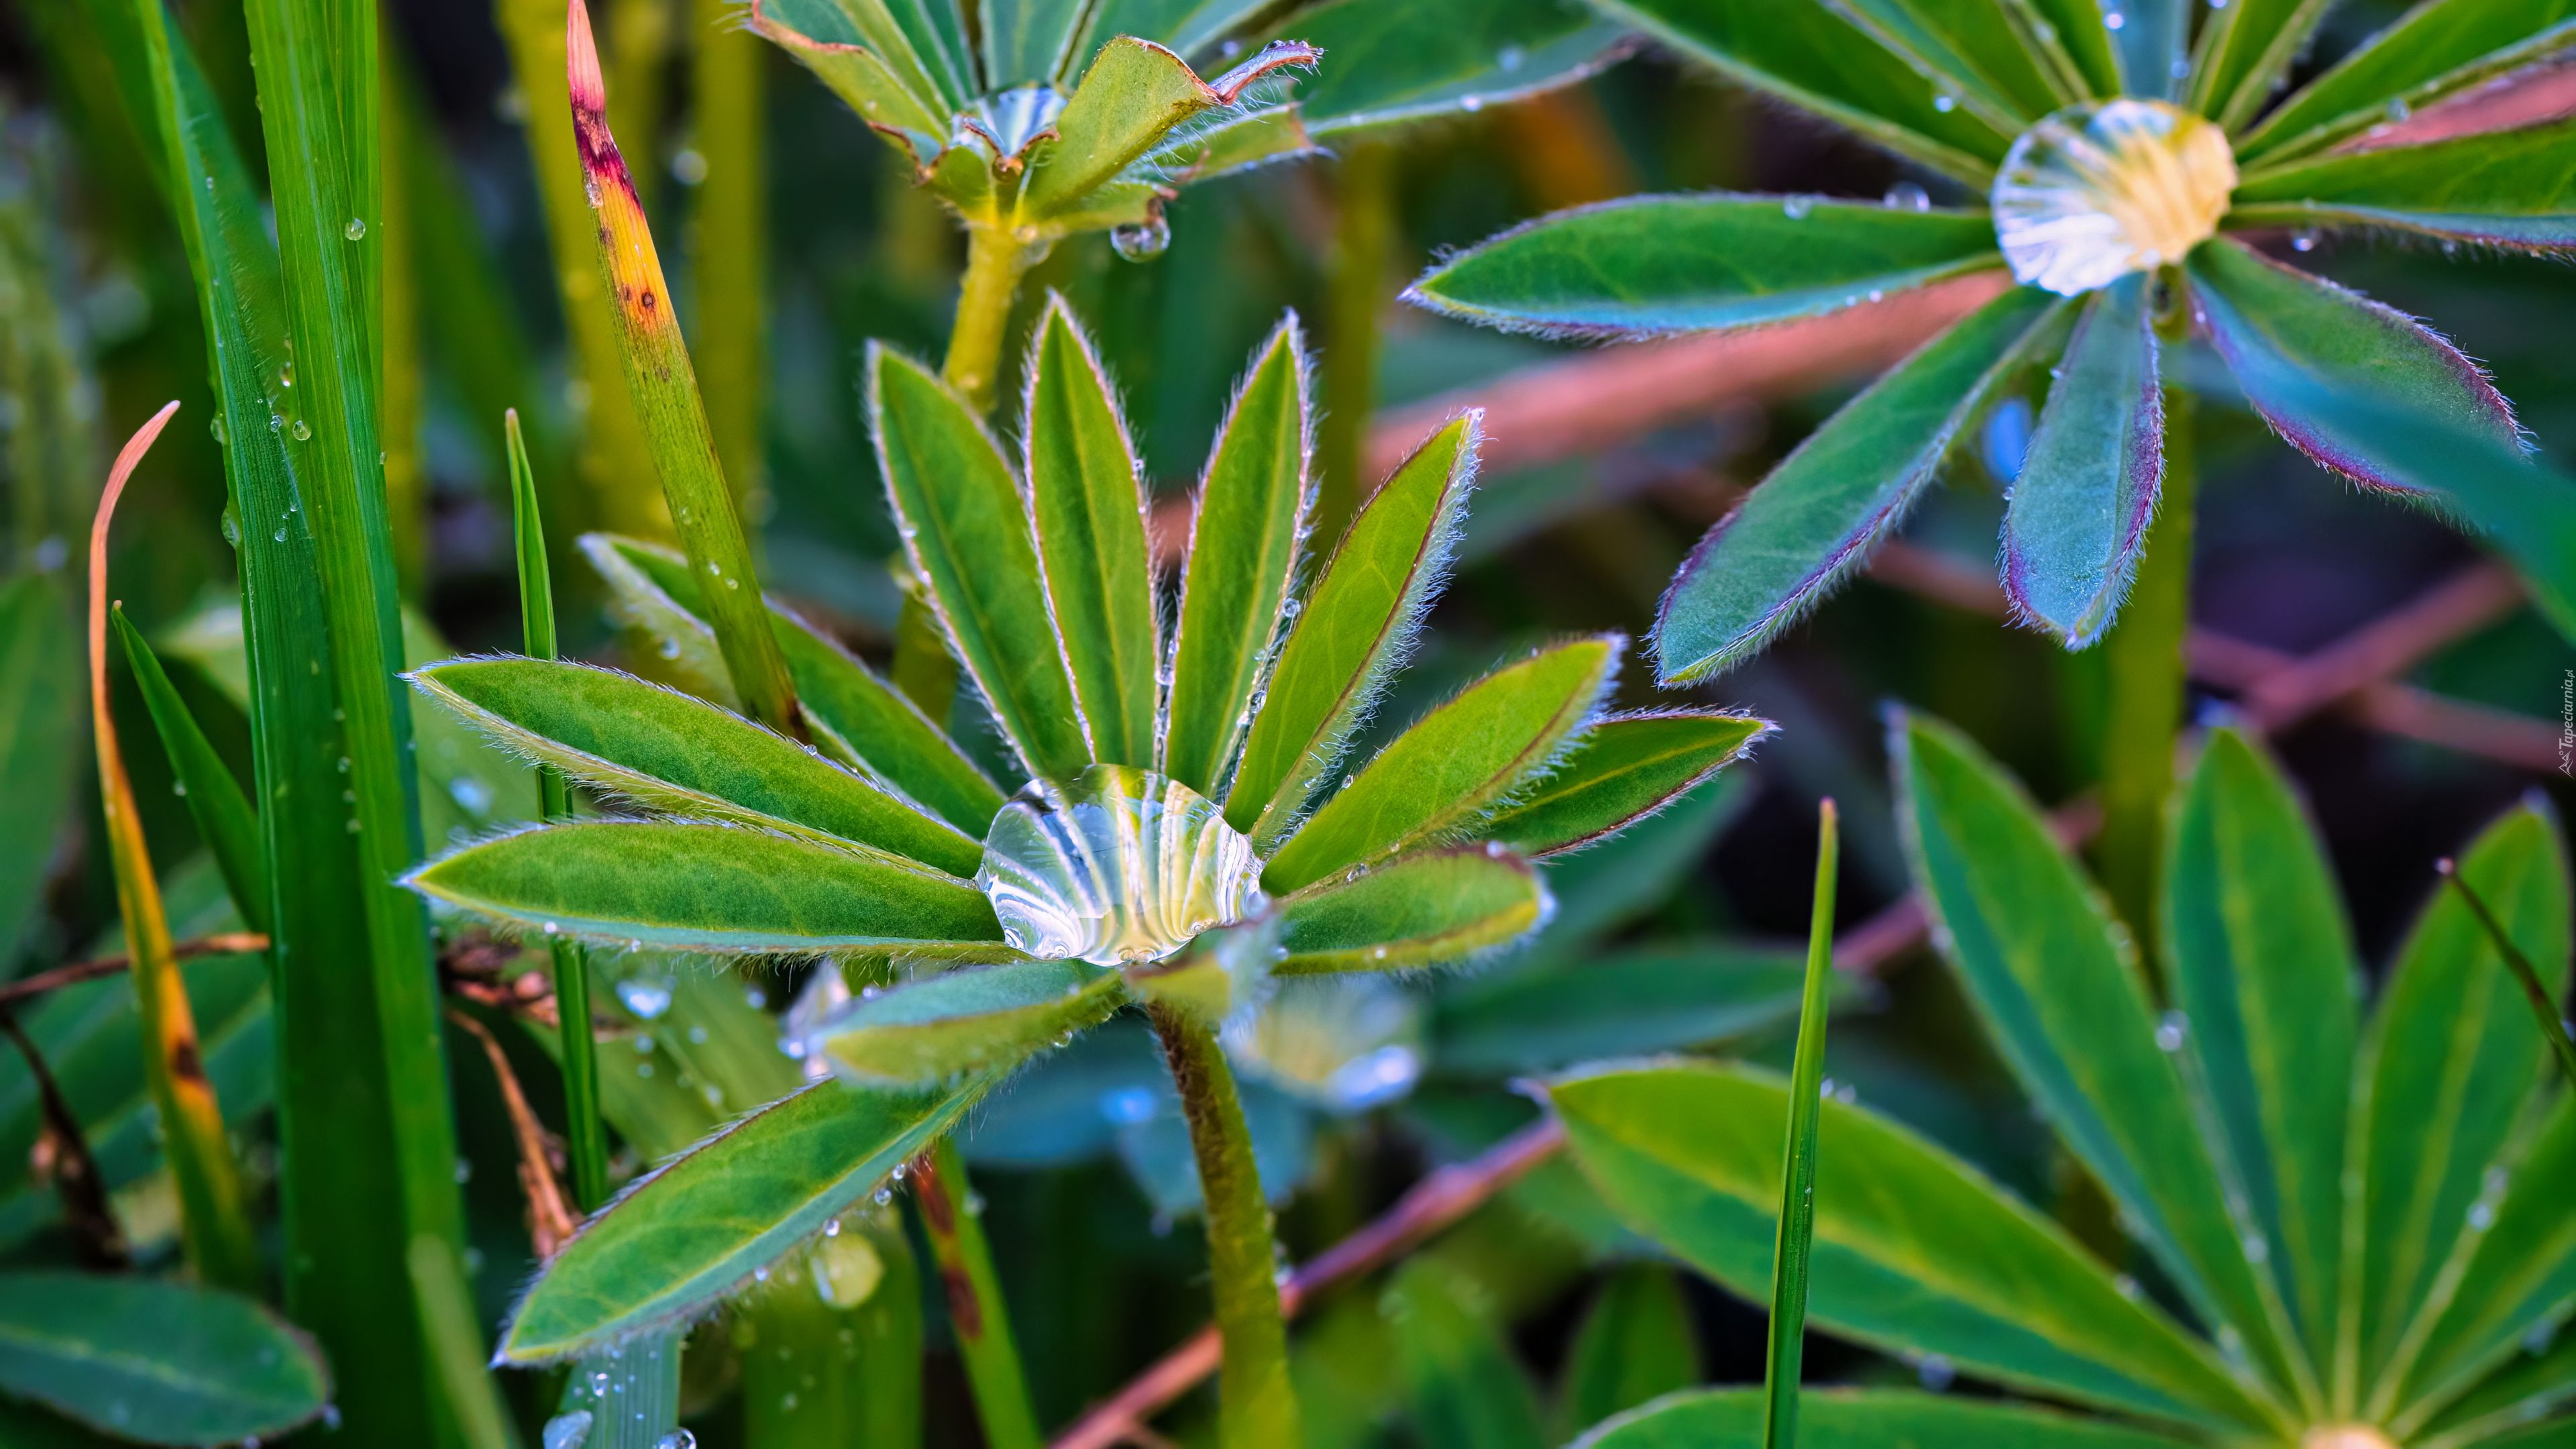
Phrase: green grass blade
(966,531)
(713,888)
(941,1028)
(159,1362)
(1431,908)
(1781,1369)
(1623,769)
(1356,621)
(664,385)
(1657,264)
(2511,190)
(677,755)
(2077,519)
(834,1352)
(2448,1070)
(1828,503)
(2265,979)
(456,1338)
(2063,999)
(223,813)
(2436,49)
(1252,508)
(40,676)
(1440,777)
(1087,505)
(700,1226)
(1867,1419)
(1915,1251)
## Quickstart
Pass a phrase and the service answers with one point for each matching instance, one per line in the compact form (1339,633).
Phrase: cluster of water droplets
(2096,192)
(1116,866)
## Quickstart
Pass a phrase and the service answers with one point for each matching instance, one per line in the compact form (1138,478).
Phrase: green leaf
(2518,1278)
(2059,990)
(2500,1410)
(1973,47)
(1865,1419)
(2513,190)
(870,58)
(2448,1069)
(2265,983)
(857,716)
(1635,1343)
(1133,96)
(2245,50)
(680,756)
(2287,335)
(215,799)
(721,889)
(1087,503)
(937,1029)
(2078,515)
(1638,868)
(1462,1384)
(1357,621)
(1223,974)
(1030,41)
(1820,512)
(1455,764)
(701,1225)
(1432,908)
(160,1362)
(1813,58)
(1915,1252)
(1242,559)
(2071,32)
(1656,998)
(2438,48)
(40,675)
(2152,43)
(966,530)
(1657,264)
(1623,769)
(1395,63)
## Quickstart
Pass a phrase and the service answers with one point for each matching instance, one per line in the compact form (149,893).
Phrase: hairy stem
(995,262)
(1256,1401)
(974,1297)
(2144,657)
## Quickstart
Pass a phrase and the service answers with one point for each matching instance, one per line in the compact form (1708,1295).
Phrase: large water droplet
(1144,241)
(1119,865)
(356,230)
(1346,1043)
(1906,196)
(567,1431)
(2096,192)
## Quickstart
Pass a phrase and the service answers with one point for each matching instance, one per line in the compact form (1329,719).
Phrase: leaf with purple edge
(1624,769)
(2512,190)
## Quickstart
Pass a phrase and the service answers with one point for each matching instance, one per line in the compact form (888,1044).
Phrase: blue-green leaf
(2436,49)
(1393,63)
(1432,908)
(40,677)
(2512,190)
(939,1028)
(2078,516)
(159,1362)
(1864,1419)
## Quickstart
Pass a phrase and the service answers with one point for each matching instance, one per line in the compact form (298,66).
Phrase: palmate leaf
(721,889)
(940,1028)
(1819,513)
(1431,908)
(1632,872)
(1393,63)
(1441,775)
(676,755)
(1658,264)
(1131,96)
(2077,519)
(1863,1419)
(2513,190)
(40,676)
(2064,1002)
(1914,1250)
(1357,622)
(1242,559)
(856,715)
(966,531)
(2245,49)
(1029,41)
(2286,334)
(160,1362)
(1087,504)
(1623,769)
(2074,31)
(700,1226)
(2505,1409)
(2436,49)
(2448,1069)
(2263,973)
(2153,39)
(1813,58)
(906,79)
(1974,46)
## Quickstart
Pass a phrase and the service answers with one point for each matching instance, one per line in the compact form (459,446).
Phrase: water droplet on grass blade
(568,1431)
(356,230)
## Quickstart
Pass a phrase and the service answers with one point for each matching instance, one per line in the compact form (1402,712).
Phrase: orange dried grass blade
(214,1227)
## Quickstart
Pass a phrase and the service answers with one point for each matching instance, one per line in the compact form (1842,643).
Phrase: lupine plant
(2122,168)
(1189,830)
(2346,1227)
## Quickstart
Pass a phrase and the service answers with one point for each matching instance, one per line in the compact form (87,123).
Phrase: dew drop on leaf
(1142,242)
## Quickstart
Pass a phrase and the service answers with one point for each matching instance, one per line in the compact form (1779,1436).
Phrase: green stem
(1363,248)
(1785,1362)
(586,1140)
(995,263)
(974,1296)
(2143,713)
(1256,1400)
